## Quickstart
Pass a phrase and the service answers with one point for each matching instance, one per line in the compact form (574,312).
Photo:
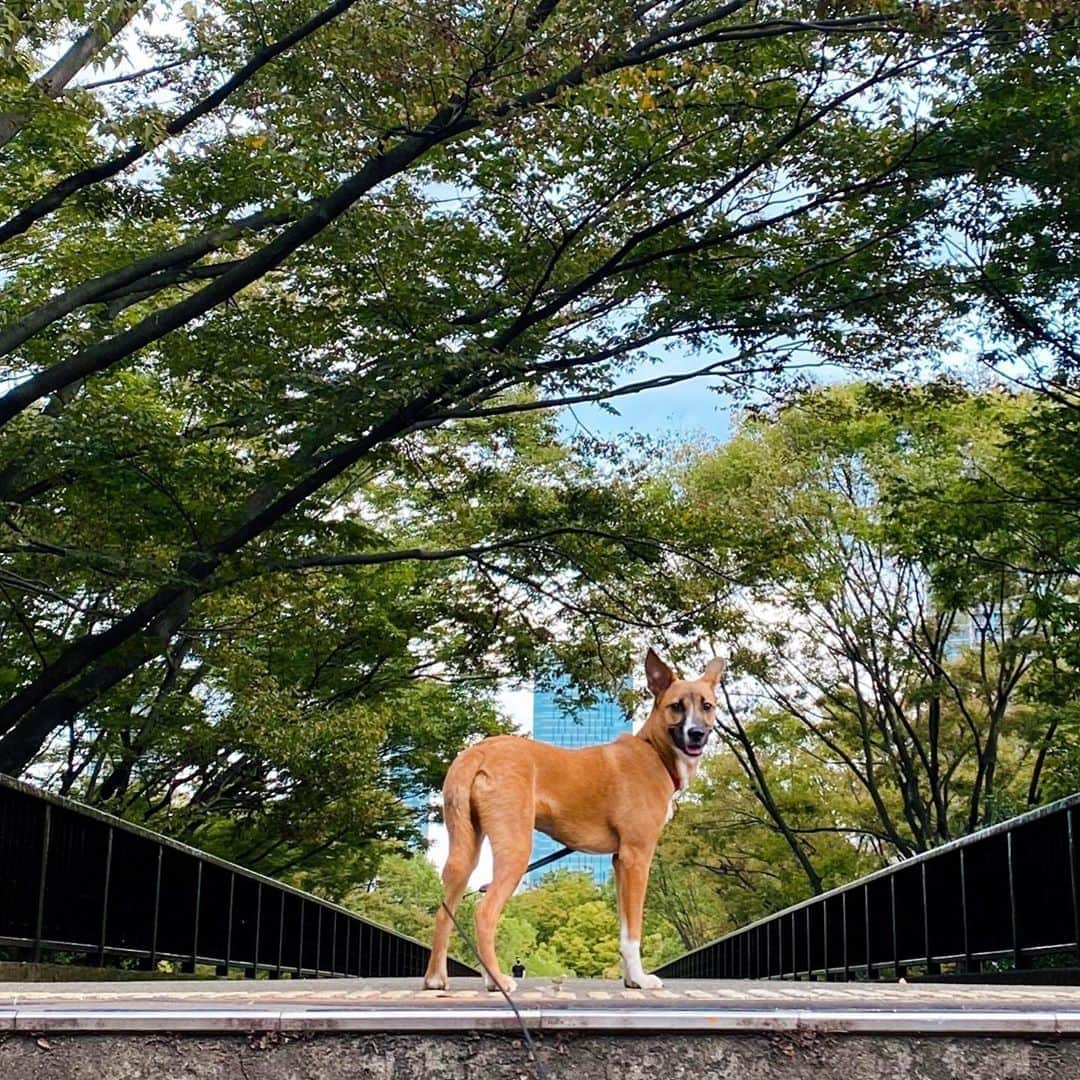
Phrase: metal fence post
(300,946)
(229,925)
(844,931)
(254,969)
(824,939)
(280,935)
(897,972)
(1013,922)
(870,969)
(157,908)
(794,951)
(925,918)
(780,948)
(1075,895)
(39,921)
(809,948)
(105,898)
(198,910)
(333,946)
(964,911)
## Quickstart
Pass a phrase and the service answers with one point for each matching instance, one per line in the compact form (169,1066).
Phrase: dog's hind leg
(455,876)
(509,826)
(465,839)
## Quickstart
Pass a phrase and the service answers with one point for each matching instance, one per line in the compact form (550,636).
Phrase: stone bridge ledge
(396,1005)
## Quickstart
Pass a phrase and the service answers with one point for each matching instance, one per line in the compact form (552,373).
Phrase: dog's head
(686,707)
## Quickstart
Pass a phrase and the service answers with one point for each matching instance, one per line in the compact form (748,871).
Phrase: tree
(258,290)
(900,676)
(1014,223)
(403,895)
(725,861)
(589,939)
(318,687)
(566,925)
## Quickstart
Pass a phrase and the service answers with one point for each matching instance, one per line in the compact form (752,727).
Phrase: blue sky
(688,410)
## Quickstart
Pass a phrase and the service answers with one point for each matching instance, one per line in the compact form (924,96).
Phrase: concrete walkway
(399,1006)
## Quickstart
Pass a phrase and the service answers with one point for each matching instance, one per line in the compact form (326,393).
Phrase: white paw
(436,982)
(509,985)
(643,982)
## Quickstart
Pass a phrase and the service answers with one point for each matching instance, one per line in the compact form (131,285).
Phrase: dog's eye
(707,706)
(677,706)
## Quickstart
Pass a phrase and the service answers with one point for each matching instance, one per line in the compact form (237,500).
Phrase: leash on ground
(538,1068)
(541,1073)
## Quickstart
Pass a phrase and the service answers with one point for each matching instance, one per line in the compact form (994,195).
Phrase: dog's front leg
(631,881)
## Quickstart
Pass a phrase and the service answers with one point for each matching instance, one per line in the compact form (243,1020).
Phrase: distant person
(518,970)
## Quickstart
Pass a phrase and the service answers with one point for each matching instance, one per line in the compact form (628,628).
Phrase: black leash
(538,1068)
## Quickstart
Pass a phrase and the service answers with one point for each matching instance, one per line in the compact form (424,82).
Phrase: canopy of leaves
(285,287)
(906,667)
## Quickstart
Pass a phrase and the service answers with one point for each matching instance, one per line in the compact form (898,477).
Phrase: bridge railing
(997,903)
(83,883)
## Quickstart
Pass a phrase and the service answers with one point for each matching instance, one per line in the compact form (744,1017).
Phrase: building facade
(552,723)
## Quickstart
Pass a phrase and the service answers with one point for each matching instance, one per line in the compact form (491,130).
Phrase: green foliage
(588,941)
(281,308)
(404,895)
(576,928)
(906,667)
(907,661)
(567,925)
(724,863)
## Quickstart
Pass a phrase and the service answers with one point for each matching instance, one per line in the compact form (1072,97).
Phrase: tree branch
(85,48)
(126,278)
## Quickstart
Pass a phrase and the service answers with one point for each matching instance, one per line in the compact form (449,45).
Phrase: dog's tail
(459,810)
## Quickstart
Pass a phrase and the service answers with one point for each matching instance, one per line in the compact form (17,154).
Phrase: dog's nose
(696,736)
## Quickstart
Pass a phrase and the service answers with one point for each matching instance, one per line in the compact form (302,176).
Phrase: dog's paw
(509,986)
(643,982)
(436,982)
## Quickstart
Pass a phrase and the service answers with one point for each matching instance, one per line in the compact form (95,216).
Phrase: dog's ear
(657,674)
(714,670)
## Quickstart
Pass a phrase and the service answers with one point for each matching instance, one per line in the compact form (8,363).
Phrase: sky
(689,409)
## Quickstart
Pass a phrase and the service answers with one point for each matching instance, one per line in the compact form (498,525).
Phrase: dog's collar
(673,774)
(676,779)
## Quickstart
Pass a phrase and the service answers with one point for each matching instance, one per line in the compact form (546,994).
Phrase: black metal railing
(83,884)
(1000,903)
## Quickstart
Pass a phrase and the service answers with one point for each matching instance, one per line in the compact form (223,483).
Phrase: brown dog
(614,798)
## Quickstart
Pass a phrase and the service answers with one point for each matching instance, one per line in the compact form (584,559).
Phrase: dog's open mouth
(689,749)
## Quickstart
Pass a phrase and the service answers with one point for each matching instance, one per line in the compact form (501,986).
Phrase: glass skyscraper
(573,727)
